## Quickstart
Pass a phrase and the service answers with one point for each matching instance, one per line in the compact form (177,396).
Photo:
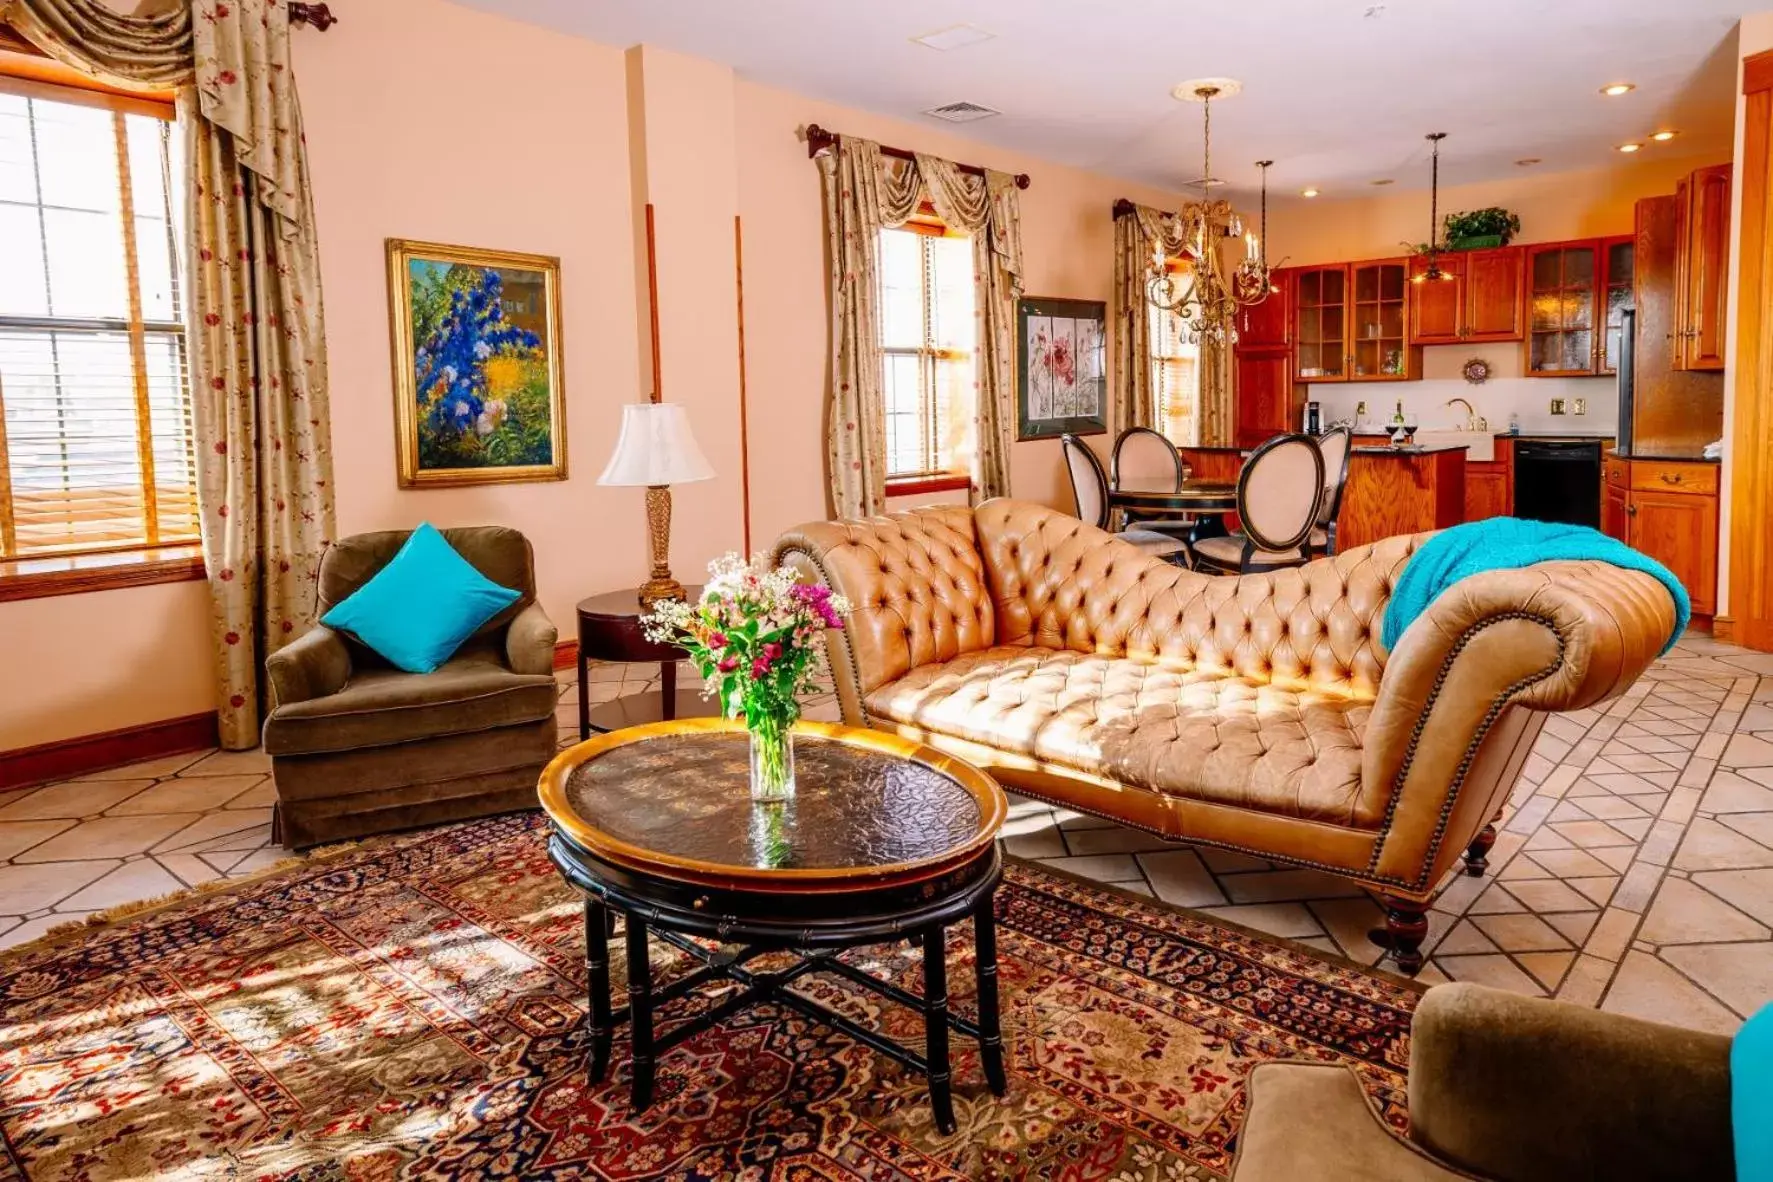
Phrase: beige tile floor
(1634,871)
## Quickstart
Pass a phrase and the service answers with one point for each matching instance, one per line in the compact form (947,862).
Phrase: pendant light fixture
(1433,273)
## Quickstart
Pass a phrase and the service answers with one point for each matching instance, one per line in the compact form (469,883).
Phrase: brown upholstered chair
(1261,714)
(1335,445)
(1089,488)
(1505,1087)
(359,747)
(1279,491)
(1140,453)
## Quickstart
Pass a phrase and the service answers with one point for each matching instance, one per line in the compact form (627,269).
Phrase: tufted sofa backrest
(916,583)
(1058,583)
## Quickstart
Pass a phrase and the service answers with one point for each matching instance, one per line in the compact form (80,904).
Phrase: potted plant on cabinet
(1481,228)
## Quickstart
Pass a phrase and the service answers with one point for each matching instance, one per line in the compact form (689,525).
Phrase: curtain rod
(1124,207)
(316,16)
(820,141)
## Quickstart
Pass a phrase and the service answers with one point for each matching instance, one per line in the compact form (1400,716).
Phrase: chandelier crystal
(1203,298)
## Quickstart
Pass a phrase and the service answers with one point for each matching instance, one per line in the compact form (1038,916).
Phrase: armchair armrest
(1518,1089)
(529,643)
(1555,636)
(315,664)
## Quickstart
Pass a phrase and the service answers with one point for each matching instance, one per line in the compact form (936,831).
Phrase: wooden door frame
(1750,592)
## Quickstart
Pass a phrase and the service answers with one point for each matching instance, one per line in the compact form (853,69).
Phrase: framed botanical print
(1062,383)
(477,365)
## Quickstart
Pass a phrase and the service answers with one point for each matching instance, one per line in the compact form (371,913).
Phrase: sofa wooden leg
(1406,926)
(1477,854)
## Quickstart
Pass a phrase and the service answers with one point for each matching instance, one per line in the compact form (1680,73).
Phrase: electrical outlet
(1557,406)
(1579,406)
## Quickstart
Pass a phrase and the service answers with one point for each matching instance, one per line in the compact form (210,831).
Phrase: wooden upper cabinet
(1493,282)
(1320,323)
(1437,307)
(1265,402)
(1268,325)
(1702,268)
(1378,324)
(1576,292)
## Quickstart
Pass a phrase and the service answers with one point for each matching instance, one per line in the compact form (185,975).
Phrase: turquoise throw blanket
(1506,543)
(1751,1097)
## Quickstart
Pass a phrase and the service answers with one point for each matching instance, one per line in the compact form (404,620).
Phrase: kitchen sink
(1480,446)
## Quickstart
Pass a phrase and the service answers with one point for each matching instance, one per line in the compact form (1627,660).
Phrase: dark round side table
(609,630)
(884,840)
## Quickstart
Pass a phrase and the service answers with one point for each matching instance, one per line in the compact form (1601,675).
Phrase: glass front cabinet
(1350,323)
(1575,294)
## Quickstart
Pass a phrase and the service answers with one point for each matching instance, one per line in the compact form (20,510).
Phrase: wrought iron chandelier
(1204,299)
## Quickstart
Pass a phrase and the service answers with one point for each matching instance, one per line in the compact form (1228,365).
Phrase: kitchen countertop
(1412,450)
(1667,456)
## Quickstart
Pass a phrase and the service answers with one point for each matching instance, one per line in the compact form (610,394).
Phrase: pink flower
(772,652)
(717,640)
(727,664)
(760,669)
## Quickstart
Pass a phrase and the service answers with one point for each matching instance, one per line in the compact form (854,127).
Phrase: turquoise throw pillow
(419,608)
(1751,1097)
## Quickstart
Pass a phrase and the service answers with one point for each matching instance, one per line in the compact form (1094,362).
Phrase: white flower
(482,350)
(449,375)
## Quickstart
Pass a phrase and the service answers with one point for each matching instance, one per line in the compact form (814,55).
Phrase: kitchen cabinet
(1668,510)
(1576,292)
(1702,268)
(1489,484)
(1268,325)
(1350,323)
(1265,402)
(1480,302)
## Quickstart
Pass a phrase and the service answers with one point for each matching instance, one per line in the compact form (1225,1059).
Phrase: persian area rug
(414,1009)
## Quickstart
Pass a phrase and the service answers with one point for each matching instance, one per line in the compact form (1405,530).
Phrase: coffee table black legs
(640,1012)
(985,967)
(597,935)
(935,1028)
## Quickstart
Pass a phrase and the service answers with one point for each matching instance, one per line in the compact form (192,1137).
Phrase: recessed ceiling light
(1528,161)
(1662,137)
(1629,147)
(1308,193)
(1614,90)
(954,37)
(1382,181)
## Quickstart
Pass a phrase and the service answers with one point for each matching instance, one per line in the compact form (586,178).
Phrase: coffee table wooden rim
(993,809)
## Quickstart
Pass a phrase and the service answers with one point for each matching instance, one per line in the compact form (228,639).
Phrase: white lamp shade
(655,447)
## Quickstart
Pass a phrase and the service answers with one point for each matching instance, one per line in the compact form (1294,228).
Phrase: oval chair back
(1279,492)
(1335,444)
(1089,484)
(1144,454)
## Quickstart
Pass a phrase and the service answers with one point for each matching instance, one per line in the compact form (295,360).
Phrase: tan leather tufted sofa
(1257,713)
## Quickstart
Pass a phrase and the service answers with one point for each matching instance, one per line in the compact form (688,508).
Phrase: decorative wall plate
(1476,371)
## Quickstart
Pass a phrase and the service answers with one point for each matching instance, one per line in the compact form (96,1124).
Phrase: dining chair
(1279,492)
(1142,454)
(1336,444)
(1089,487)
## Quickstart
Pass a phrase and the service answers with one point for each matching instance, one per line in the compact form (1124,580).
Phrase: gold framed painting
(477,365)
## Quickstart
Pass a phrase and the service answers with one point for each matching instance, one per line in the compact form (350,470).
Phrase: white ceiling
(1337,97)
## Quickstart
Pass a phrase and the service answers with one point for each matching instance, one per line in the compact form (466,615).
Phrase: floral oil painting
(477,365)
(1063,385)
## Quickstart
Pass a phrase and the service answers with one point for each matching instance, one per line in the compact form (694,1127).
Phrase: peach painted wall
(1068,241)
(1552,206)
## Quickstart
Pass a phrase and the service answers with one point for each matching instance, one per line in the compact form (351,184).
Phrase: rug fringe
(61,932)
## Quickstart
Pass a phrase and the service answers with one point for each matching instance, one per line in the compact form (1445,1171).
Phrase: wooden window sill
(916,486)
(39,578)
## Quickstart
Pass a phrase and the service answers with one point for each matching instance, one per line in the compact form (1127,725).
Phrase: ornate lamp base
(661,586)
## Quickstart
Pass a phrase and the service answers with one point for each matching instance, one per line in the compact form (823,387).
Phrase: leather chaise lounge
(1258,713)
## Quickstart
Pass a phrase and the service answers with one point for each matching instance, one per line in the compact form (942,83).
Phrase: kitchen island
(1400,490)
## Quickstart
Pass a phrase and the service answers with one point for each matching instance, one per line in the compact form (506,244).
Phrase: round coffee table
(884,840)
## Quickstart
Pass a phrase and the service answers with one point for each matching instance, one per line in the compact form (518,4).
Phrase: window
(1175,380)
(927,338)
(95,414)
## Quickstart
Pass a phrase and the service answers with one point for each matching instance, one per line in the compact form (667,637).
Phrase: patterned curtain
(252,276)
(865,192)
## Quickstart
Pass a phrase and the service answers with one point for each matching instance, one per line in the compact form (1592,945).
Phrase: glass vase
(772,759)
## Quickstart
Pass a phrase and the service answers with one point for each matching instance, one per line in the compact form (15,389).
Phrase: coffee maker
(1313,418)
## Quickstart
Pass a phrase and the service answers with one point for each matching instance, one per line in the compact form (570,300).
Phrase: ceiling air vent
(962,112)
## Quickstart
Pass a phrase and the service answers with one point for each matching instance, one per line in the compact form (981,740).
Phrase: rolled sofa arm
(1518,1088)
(917,592)
(529,643)
(315,664)
(1555,636)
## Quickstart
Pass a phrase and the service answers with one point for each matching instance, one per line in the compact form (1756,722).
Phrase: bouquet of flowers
(757,636)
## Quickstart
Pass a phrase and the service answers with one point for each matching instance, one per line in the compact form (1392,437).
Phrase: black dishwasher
(1558,480)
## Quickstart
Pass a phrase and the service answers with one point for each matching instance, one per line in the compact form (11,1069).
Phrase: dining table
(1160,494)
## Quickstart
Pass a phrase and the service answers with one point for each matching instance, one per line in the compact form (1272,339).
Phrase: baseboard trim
(566,654)
(1723,628)
(23,767)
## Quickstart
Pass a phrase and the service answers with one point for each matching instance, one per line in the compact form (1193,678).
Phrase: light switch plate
(1557,406)
(1579,406)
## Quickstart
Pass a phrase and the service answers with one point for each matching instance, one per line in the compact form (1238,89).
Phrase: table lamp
(655,450)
